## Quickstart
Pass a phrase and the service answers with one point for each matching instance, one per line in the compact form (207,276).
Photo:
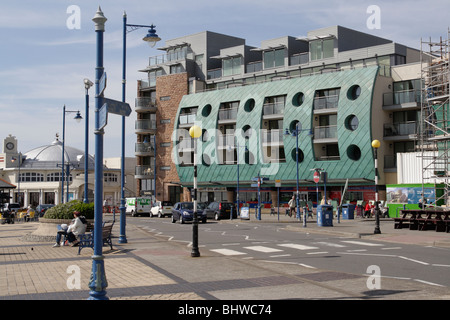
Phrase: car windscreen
(187,206)
(227,205)
(166,203)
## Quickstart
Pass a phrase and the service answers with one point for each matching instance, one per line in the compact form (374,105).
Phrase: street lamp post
(98,281)
(151,38)
(296,132)
(19,161)
(87,85)
(375,146)
(195,132)
(78,119)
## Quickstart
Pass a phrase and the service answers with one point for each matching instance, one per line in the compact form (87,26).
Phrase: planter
(46,230)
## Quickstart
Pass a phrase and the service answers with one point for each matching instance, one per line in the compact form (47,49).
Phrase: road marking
(393,248)
(330,244)
(364,243)
(228,252)
(280,255)
(263,249)
(441,265)
(297,246)
(322,252)
(430,283)
(413,260)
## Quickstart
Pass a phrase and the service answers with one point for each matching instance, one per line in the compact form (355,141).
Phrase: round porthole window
(301,156)
(295,125)
(354,92)
(353,152)
(298,99)
(246,131)
(249,105)
(351,122)
(206,110)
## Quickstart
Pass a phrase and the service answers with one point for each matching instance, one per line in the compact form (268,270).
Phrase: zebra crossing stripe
(228,252)
(364,243)
(263,249)
(297,246)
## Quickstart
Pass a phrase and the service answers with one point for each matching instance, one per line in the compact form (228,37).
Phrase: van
(138,206)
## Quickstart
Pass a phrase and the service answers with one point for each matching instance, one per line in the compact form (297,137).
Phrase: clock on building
(10,146)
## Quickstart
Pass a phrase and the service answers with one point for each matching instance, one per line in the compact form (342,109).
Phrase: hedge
(65,210)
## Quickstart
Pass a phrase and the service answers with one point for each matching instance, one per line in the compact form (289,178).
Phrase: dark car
(184,211)
(42,208)
(220,210)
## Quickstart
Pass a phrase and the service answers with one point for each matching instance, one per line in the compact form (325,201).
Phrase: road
(273,243)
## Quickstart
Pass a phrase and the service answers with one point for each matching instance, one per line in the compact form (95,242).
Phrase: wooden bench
(87,239)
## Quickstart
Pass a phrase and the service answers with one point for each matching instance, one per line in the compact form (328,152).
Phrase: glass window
(274,58)
(328,48)
(231,66)
(321,49)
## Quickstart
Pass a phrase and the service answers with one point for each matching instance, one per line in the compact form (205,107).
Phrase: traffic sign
(316,176)
(278,183)
(103,117)
(118,107)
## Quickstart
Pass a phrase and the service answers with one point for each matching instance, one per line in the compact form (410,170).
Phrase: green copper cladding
(208,104)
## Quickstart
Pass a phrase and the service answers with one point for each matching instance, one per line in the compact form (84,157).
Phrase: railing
(145,124)
(273,109)
(400,128)
(325,132)
(144,147)
(144,103)
(144,171)
(328,102)
(399,97)
(228,114)
(272,136)
(226,140)
(167,57)
(214,74)
(187,118)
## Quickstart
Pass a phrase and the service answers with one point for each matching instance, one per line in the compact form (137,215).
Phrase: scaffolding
(434,128)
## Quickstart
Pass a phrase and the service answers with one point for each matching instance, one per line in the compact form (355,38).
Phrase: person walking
(291,204)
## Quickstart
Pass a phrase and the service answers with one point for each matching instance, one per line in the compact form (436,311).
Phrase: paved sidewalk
(149,267)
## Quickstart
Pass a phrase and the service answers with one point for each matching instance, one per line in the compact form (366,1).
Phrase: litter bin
(348,211)
(324,215)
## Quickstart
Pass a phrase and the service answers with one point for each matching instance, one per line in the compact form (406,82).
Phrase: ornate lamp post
(87,84)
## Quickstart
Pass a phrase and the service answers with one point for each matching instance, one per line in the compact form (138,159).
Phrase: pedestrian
(76,227)
(368,210)
(291,204)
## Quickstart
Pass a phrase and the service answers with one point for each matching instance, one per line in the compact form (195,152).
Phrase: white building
(37,174)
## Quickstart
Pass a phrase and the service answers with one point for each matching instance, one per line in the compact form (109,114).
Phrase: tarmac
(149,267)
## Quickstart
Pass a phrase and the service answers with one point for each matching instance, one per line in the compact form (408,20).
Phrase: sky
(48,47)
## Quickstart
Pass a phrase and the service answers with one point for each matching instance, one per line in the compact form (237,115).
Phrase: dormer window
(274,58)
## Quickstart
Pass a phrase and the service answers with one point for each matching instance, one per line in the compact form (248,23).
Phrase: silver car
(161,209)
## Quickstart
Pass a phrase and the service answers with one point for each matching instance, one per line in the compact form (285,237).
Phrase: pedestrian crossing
(286,249)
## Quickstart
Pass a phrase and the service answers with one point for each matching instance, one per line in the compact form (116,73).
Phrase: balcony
(401,130)
(326,103)
(145,104)
(272,137)
(145,126)
(144,149)
(273,110)
(297,59)
(401,99)
(228,115)
(144,172)
(225,141)
(187,119)
(325,132)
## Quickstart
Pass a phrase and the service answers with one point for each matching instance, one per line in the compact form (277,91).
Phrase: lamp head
(195,131)
(78,117)
(87,83)
(375,144)
(151,37)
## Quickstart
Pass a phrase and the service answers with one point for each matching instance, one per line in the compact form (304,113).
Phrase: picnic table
(423,220)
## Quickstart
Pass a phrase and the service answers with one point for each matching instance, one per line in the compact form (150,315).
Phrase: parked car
(184,211)
(42,209)
(13,207)
(161,209)
(220,210)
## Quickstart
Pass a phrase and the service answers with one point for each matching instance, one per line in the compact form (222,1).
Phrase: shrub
(65,210)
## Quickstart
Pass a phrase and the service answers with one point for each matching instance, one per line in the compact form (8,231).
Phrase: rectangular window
(321,49)
(274,58)
(231,66)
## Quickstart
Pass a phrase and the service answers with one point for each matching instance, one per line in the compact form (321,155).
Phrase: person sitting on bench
(76,227)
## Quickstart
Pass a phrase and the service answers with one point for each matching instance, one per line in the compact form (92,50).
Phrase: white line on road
(228,252)
(262,249)
(364,243)
(297,246)
(413,260)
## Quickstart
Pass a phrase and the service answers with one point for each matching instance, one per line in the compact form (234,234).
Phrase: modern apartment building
(339,88)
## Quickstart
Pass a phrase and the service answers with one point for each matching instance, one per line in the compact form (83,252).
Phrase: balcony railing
(144,148)
(254,67)
(274,136)
(145,171)
(400,129)
(226,140)
(145,104)
(214,73)
(325,132)
(228,114)
(328,102)
(273,109)
(143,125)
(301,58)
(399,97)
(187,118)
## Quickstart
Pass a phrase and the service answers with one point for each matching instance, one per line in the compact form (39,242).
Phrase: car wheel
(216,217)
(204,220)
(132,214)
(181,220)
(160,215)
(173,219)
